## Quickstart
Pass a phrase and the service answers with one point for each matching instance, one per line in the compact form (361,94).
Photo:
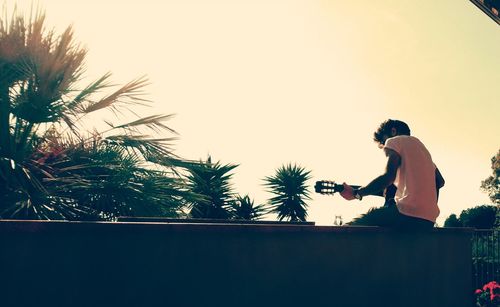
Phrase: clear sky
(262,83)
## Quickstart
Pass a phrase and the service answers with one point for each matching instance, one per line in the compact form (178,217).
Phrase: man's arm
(381,182)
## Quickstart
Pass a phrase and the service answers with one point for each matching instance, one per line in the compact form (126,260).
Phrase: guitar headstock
(327,187)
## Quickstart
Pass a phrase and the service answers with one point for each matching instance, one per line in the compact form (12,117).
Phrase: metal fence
(485,257)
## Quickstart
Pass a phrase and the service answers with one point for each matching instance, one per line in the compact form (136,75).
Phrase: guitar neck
(330,187)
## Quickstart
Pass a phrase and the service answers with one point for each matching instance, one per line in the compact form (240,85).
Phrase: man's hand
(347,193)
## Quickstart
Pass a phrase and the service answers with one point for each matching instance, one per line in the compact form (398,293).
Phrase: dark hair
(386,127)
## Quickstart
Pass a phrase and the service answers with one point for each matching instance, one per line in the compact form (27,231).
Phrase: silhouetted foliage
(452,221)
(212,182)
(377,216)
(51,167)
(291,192)
(480,217)
(491,185)
(243,208)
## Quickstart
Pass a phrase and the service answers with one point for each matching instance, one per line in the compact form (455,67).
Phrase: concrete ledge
(206,221)
(36,226)
(178,264)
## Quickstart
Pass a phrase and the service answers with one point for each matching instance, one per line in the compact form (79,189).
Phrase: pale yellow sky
(266,82)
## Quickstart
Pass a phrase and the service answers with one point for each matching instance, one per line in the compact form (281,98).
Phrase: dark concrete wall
(134,264)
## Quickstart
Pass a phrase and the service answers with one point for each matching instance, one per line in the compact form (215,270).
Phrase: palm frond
(87,92)
(154,150)
(130,93)
(153,122)
(43,69)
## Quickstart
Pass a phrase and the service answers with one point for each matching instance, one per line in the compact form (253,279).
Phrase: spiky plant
(51,167)
(212,181)
(289,185)
(377,216)
(244,208)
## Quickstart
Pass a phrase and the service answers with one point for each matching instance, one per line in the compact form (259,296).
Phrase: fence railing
(485,257)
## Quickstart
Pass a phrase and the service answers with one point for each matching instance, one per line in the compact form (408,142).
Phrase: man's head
(390,128)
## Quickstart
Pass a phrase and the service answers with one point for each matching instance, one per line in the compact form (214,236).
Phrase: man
(410,168)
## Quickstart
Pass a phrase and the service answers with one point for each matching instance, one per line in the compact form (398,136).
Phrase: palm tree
(212,182)
(291,192)
(51,167)
(244,208)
